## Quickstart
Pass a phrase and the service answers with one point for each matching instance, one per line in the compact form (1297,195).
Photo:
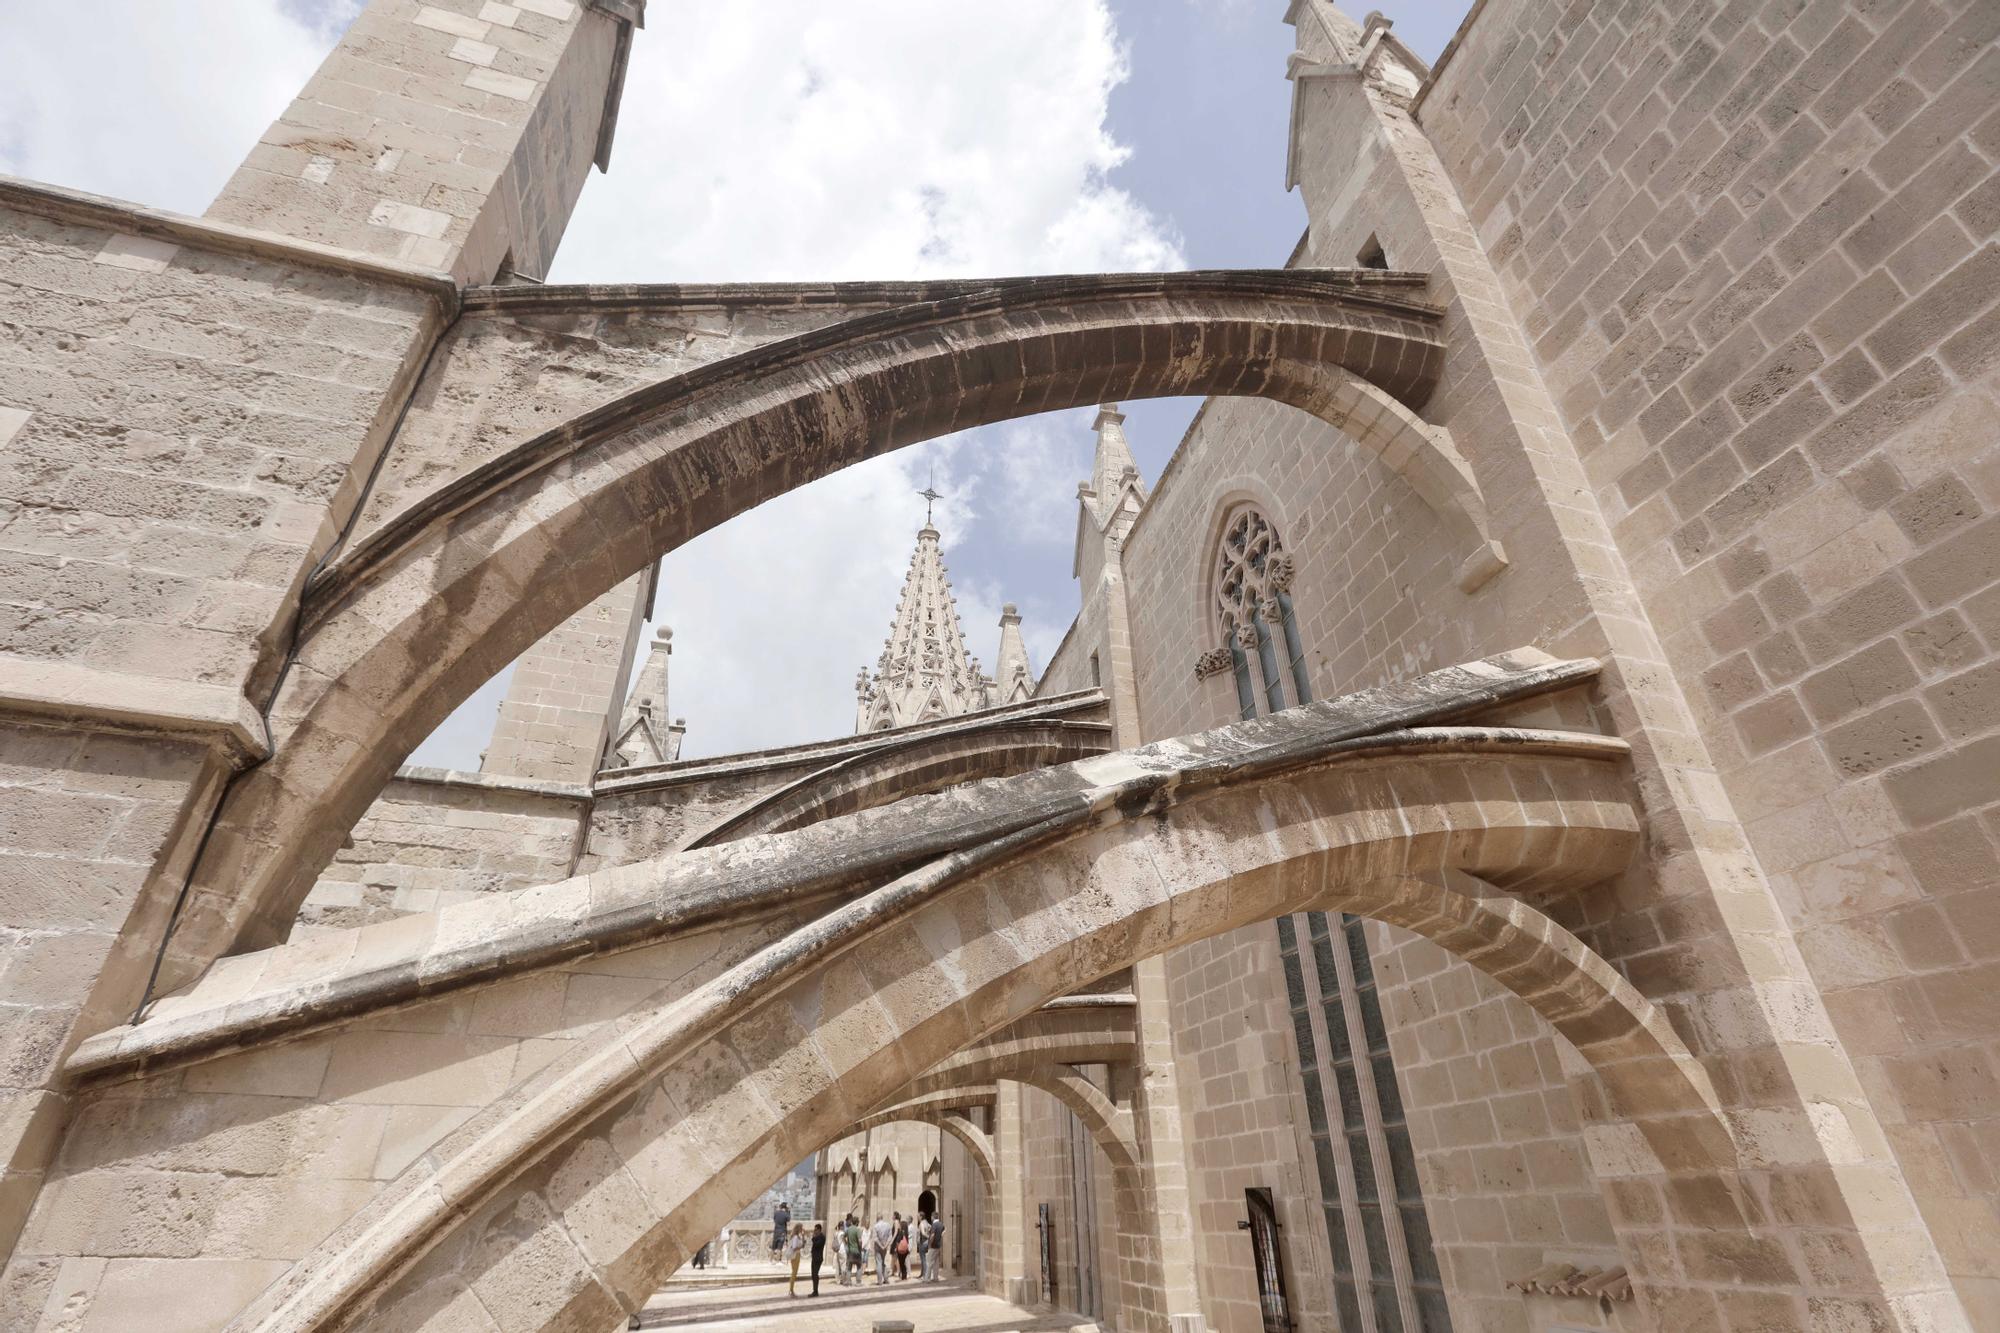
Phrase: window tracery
(1253,581)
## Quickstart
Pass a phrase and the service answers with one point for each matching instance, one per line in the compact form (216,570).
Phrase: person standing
(899,1248)
(818,1253)
(853,1238)
(795,1248)
(937,1248)
(882,1233)
(923,1247)
(781,1221)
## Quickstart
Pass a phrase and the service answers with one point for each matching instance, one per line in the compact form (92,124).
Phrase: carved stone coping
(252,998)
(96,210)
(1410,329)
(1386,288)
(1105,1000)
(70,695)
(818,754)
(789,805)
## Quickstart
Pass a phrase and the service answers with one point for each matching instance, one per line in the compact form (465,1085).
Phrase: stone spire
(924,671)
(644,735)
(1112,498)
(1114,462)
(1012,680)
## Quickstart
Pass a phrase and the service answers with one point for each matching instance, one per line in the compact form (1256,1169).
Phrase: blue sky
(794,139)
(1206,111)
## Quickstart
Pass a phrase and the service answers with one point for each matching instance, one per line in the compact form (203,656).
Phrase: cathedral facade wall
(1497,1137)
(181,412)
(1755,248)
(209,1180)
(432,839)
(1059,1159)
(1493,1114)
(1376,600)
(181,423)
(1239,1080)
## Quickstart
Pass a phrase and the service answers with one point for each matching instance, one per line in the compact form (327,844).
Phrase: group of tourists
(891,1242)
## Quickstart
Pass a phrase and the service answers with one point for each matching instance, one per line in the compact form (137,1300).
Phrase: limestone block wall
(452,134)
(630,825)
(181,410)
(1056,1150)
(1069,666)
(85,820)
(1508,1183)
(567,691)
(434,838)
(1755,247)
(209,1181)
(1245,1122)
(177,421)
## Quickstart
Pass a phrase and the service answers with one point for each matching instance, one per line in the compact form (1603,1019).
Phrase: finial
(930,494)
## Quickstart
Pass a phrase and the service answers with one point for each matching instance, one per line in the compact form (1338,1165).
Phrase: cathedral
(1507,843)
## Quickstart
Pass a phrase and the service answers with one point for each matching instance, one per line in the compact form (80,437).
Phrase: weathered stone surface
(1663,336)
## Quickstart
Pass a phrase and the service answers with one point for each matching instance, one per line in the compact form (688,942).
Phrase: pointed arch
(434,602)
(902,768)
(748,1073)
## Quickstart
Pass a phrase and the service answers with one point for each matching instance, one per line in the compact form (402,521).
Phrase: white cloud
(874,139)
(786,140)
(775,611)
(870,139)
(1032,474)
(148,101)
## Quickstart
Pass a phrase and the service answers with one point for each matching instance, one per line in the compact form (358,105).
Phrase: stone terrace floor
(944,1307)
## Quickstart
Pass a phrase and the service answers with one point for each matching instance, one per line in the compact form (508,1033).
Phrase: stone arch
(432,604)
(1109,1126)
(920,764)
(925,1107)
(1098,1031)
(945,1111)
(639,1141)
(978,1145)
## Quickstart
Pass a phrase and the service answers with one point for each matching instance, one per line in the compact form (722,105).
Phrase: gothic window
(1253,581)
(1374,1207)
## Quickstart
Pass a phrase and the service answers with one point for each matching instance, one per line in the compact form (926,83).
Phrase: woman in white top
(795,1246)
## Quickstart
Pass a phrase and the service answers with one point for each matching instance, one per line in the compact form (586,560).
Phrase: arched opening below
(812,1035)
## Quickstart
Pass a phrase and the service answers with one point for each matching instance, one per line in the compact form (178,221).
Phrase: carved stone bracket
(1211,663)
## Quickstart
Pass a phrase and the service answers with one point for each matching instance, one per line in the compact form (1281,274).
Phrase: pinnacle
(924,670)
